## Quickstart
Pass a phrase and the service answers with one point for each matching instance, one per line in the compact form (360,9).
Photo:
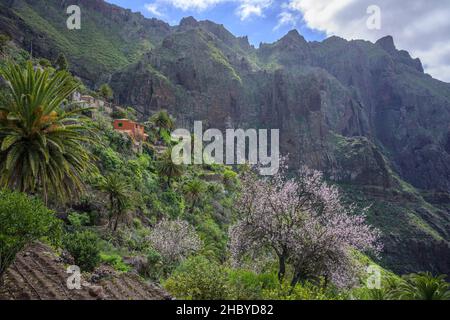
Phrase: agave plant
(42,144)
(424,286)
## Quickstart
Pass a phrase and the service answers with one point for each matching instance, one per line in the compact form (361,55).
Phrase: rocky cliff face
(364,113)
(311,91)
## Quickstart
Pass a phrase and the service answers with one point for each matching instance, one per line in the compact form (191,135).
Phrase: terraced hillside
(38,274)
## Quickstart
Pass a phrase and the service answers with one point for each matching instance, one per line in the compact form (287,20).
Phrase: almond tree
(174,240)
(303,221)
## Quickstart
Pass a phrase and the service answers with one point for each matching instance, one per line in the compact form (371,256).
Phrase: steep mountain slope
(110,37)
(364,113)
(349,88)
(367,116)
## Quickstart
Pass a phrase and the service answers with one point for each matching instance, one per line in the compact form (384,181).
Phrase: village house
(88,100)
(91,102)
(135,130)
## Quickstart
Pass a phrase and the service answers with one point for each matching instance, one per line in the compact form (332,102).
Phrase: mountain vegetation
(42,144)
(366,183)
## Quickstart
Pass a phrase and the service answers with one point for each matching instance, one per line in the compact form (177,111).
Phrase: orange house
(133,129)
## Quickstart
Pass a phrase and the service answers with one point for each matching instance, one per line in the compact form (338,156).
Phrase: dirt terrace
(38,274)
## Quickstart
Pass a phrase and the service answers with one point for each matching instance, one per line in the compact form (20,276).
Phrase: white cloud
(153,8)
(421,27)
(197,5)
(250,8)
(286,18)
(245,8)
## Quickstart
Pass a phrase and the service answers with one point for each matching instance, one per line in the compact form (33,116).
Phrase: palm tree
(61,62)
(167,168)
(424,286)
(194,190)
(106,92)
(117,189)
(42,145)
(161,122)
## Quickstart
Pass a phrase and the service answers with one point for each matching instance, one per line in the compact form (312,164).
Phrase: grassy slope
(100,46)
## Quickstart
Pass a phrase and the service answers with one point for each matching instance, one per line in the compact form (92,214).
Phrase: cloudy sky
(421,27)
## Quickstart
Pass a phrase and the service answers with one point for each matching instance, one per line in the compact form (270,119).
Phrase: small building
(88,100)
(76,96)
(133,129)
(91,102)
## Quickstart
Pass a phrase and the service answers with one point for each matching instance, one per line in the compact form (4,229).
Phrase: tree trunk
(326,282)
(192,207)
(116,224)
(298,276)
(111,210)
(281,268)
(295,280)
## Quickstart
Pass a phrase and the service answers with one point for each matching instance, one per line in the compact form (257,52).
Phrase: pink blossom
(303,220)
(175,240)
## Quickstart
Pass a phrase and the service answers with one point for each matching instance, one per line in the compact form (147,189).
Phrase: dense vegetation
(365,114)
(22,221)
(41,146)
(203,231)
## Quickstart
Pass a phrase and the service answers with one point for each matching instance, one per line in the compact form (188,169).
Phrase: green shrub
(131,113)
(110,160)
(423,286)
(22,221)
(115,261)
(78,220)
(134,239)
(155,265)
(230,178)
(165,136)
(61,62)
(45,63)
(106,92)
(387,291)
(213,237)
(154,257)
(173,203)
(84,246)
(119,113)
(4,39)
(305,291)
(372,294)
(420,286)
(88,206)
(198,279)
(247,285)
